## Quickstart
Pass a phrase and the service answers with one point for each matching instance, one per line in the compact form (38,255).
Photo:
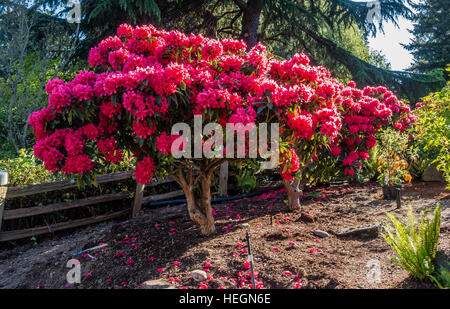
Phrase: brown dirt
(168,235)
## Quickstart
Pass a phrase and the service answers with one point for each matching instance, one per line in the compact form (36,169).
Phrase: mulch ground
(164,245)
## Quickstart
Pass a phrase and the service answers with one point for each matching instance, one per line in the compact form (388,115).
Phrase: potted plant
(392,166)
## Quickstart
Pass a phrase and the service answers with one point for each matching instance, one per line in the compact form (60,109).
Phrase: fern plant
(414,245)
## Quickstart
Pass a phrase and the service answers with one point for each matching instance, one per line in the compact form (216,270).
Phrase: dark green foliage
(35,46)
(246,180)
(431,45)
(286,26)
(318,28)
(443,277)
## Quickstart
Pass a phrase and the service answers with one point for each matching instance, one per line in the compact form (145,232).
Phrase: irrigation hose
(217,199)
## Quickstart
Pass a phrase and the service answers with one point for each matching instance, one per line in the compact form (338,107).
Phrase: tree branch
(240,4)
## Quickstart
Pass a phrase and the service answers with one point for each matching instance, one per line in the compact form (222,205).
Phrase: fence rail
(61,185)
(135,207)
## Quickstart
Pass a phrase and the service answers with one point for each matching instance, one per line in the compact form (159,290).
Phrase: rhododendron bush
(322,115)
(145,80)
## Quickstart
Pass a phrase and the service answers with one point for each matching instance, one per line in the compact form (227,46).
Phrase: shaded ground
(286,252)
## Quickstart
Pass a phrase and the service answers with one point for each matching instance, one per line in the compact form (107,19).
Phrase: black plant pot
(390,192)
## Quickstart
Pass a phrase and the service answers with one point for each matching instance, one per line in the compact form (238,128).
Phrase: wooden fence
(14,192)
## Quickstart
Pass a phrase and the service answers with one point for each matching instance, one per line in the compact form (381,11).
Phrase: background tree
(285,26)
(431,45)
(30,55)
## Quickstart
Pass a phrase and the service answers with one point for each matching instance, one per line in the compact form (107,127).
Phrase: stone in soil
(371,230)
(432,174)
(321,234)
(199,275)
(157,284)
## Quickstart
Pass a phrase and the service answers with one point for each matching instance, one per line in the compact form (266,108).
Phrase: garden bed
(282,244)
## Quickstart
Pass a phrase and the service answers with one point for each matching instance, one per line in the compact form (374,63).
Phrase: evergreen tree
(431,45)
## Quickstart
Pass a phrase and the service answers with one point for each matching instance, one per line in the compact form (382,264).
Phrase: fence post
(138,196)
(3,189)
(223,181)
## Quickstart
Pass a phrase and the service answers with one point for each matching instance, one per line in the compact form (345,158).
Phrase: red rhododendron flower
(144,170)
(79,164)
(247,264)
(290,164)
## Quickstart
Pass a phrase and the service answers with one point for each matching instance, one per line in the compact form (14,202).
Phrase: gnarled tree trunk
(199,206)
(295,187)
(294,190)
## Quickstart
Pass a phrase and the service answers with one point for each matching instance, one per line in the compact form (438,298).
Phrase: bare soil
(163,244)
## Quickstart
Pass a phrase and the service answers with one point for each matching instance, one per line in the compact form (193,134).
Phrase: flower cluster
(364,113)
(290,163)
(144,80)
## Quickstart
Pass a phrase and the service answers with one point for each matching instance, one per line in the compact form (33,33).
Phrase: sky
(389,42)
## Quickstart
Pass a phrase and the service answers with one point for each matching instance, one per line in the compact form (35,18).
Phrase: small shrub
(414,245)
(26,169)
(417,164)
(432,131)
(392,164)
(246,177)
(370,166)
(6,150)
